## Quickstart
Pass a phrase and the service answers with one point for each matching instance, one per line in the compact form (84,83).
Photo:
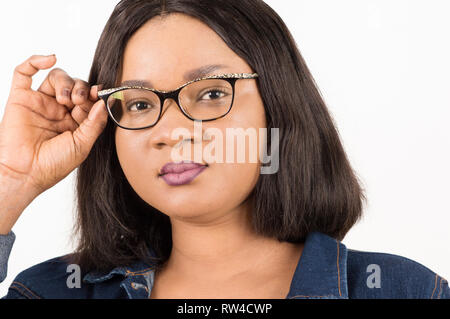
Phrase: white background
(383,68)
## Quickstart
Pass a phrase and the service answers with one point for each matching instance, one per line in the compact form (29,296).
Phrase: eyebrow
(188,76)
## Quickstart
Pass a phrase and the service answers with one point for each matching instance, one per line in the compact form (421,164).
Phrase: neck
(225,247)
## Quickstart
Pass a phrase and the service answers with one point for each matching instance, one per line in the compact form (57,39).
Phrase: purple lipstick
(176,174)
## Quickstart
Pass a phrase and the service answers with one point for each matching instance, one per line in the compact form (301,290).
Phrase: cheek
(239,179)
(133,157)
(127,148)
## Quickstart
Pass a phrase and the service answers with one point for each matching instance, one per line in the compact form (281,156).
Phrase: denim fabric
(6,243)
(326,270)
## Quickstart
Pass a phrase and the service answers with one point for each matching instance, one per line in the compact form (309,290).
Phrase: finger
(59,85)
(80,92)
(93,96)
(82,111)
(39,103)
(23,73)
(67,123)
(88,132)
(79,114)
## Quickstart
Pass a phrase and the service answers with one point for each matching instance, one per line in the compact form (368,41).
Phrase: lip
(176,174)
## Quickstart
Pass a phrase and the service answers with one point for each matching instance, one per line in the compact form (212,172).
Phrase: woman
(152,226)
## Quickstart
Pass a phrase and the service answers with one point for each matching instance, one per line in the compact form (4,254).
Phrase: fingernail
(66,93)
(81,93)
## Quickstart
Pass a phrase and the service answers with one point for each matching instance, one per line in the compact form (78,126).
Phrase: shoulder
(49,279)
(383,275)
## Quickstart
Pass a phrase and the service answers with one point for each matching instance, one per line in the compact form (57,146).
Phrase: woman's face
(161,52)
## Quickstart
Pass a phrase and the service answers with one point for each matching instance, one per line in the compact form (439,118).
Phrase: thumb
(90,129)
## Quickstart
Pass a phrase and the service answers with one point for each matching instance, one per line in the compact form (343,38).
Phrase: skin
(213,243)
(44,134)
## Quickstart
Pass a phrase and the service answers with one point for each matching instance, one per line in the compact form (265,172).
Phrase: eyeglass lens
(203,100)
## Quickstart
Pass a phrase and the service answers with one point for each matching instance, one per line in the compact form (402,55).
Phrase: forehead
(164,49)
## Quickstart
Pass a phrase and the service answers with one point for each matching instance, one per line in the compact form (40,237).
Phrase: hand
(46,134)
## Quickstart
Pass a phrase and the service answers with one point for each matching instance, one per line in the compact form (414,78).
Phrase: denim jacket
(326,270)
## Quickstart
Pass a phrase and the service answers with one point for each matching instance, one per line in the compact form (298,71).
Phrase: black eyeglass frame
(163,95)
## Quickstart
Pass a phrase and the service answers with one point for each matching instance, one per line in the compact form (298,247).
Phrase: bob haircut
(315,188)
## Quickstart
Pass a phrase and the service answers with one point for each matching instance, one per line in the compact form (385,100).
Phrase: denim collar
(321,272)
(138,278)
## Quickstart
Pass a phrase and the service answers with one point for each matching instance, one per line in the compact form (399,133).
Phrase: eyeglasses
(203,99)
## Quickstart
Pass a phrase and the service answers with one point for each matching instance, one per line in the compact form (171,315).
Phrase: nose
(172,122)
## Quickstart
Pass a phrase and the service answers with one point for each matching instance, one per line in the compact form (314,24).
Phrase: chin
(189,215)
(190,207)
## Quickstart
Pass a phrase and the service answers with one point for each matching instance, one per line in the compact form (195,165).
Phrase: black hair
(315,188)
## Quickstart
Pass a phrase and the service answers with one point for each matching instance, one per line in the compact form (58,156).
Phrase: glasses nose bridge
(174,95)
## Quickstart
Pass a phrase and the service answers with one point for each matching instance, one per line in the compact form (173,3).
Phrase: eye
(138,106)
(214,94)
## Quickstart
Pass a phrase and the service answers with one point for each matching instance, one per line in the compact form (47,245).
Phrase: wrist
(15,196)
